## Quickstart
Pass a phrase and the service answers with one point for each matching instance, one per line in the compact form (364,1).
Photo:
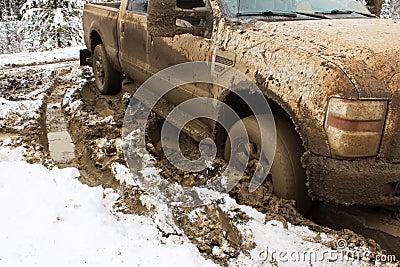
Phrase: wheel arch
(95,39)
(277,105)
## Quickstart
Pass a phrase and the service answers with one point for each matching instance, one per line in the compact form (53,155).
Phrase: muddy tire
(287,173)
(108,80)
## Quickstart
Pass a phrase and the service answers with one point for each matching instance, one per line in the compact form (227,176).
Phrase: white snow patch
(74,106)
(69,53)
(24,107)
(123,174)
(7,142)
(277,245)
(9,153)
(49,217)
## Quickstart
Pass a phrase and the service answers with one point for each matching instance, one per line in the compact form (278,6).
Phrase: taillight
(354,127)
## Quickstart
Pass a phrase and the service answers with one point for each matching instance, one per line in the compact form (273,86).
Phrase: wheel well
(241,108)
(95,39)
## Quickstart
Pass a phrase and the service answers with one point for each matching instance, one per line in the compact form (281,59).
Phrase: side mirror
(166,19)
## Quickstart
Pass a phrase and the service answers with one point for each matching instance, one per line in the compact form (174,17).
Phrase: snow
(277,244)
(123,174)
(74,106)
(11,154)
(21,113)
(283,243)
(50,218)
(21,108)
(391,9)
(48,24)
(70,53)
(24,107)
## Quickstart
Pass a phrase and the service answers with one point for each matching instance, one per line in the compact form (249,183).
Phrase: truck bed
(110,4)
(102,16)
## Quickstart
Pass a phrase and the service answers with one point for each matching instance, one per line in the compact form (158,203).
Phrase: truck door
(133,39)
(165,52)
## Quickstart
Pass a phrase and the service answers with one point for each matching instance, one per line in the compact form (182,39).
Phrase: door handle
(123,28)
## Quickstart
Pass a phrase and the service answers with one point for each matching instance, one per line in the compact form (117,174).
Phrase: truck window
(137,6)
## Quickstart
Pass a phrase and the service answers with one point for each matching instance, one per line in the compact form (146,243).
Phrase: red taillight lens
(343,124)
(354,128)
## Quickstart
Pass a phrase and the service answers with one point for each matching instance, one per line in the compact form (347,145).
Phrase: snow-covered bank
(50,218)
(69,53)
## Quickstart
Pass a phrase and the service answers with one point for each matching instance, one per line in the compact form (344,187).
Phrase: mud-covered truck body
(329,69)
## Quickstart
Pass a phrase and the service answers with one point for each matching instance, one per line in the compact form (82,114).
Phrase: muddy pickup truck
(329,69)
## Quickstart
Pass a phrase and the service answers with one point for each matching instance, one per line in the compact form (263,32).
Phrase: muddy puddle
(61,147)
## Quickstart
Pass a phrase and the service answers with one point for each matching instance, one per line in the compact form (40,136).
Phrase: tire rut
(61,147)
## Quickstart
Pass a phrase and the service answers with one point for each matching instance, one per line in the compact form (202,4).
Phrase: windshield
(308,6)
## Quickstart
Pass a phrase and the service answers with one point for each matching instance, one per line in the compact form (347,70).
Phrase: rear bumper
(85,57)
(370,182)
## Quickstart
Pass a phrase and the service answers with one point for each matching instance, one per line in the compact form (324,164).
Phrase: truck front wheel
(287,174)
(108,80)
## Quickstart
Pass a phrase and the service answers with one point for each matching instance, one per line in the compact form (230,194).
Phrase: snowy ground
(48,217)
(56,55)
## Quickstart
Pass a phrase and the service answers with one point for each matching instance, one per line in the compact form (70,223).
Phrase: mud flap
(85,57)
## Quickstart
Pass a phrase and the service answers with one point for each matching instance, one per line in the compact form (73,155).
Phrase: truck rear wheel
(287,173)
(108,80)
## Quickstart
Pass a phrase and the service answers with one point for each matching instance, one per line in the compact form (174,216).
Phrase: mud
(212,227)
(94,123)
(86,130)
(213,232)
(190,150)
(27,87)
(379,224)
(129,201)
(323,174)
(299,66)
